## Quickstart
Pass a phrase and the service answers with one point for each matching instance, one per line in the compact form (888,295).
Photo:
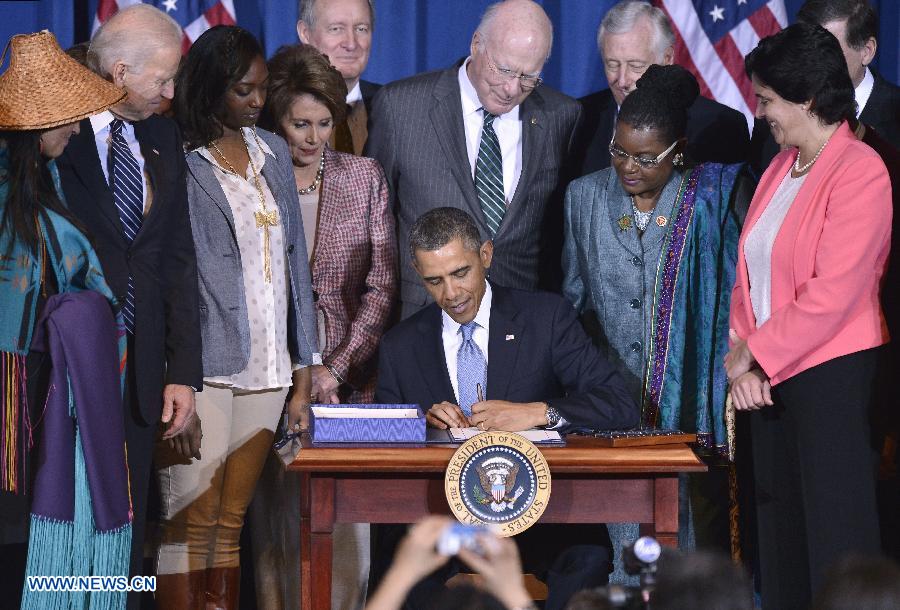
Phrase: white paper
(360,413)
(534,435)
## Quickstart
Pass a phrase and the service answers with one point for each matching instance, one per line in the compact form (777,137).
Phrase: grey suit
(417,134)
(223,307)
(621,268)
(610,277)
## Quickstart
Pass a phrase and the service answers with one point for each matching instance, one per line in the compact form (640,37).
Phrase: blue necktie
(489,176)
(128,195)
(471,369)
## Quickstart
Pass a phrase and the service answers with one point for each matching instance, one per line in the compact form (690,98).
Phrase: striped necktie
(128,194)
(471,369)
(489,175)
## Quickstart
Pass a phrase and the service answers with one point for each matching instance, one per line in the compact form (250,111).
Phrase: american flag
(194,16)
(714,36)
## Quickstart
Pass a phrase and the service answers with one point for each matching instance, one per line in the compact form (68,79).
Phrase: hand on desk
(446,415)
(324,385)
(508,416)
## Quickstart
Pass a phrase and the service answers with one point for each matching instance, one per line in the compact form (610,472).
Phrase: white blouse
(758,246)
(269,365)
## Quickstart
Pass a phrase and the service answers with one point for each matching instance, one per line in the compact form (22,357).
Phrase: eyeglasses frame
(614,151)
(508,74)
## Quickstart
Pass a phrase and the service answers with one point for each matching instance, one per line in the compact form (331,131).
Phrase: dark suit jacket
(160,259)
(368,91)
(549,358)
(715,132)
(882,111)
(417,133)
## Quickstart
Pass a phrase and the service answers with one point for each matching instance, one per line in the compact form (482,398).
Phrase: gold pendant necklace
(264,217)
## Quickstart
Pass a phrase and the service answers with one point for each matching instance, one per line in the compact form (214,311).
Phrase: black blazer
(882,111)
(160,260)
(715,132)
(368,91)
(537,351)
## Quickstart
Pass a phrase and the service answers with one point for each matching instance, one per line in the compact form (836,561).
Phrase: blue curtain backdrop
(413,36)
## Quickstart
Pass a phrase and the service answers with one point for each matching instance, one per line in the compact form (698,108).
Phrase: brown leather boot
(181,591)
(223,588)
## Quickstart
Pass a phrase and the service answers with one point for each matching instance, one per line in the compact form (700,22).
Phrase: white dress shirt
(507,126)
(452,336)
(355,94)
(269,364)
(864,91)
(100,124)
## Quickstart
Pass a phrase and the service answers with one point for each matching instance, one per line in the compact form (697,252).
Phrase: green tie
(489,176)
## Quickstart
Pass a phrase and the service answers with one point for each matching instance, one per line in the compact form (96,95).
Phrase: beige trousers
(203,501)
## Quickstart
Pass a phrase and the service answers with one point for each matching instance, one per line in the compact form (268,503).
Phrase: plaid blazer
(354,268)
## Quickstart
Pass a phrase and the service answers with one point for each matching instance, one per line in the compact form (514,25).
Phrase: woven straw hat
(43,87)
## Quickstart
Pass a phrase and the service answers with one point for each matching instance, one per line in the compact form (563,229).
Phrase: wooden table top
(582,454)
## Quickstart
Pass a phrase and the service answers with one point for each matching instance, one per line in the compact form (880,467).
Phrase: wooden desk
(366,484)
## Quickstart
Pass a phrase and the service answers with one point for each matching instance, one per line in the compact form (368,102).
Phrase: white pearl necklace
(798,169)
(321,171)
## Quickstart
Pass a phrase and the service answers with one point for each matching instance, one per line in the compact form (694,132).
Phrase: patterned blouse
(269,365)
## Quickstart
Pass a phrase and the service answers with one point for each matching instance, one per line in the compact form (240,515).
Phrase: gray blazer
(610,273)
(417,134)
(223,306)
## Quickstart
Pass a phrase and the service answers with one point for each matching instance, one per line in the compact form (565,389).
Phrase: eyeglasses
(643,162)
(528,82)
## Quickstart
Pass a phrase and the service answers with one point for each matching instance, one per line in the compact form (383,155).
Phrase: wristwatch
(552,416)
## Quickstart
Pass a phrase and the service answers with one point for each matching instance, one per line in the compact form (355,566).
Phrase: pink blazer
(828,261)
(354,270)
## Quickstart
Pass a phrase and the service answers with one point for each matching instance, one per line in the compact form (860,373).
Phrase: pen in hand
(479,394)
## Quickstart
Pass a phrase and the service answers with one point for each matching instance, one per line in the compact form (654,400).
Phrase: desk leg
(317,527)
(305,544)
(665,512)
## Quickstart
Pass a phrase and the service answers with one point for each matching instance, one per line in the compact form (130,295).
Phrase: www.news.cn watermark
(74,584)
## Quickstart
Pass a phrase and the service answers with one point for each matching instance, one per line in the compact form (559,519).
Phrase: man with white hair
(123,177)
(483,136)
(633,35)
(342,30)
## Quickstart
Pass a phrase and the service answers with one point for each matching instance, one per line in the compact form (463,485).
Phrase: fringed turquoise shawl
(84,542)
(81,513)
(74,264)
(686,384)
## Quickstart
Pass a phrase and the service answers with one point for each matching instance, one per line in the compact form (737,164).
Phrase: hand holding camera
(432,541)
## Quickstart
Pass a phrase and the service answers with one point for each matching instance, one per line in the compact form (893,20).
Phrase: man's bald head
(513,40)
(522,21)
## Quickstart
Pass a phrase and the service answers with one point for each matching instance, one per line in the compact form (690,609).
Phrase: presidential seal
(499,479)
